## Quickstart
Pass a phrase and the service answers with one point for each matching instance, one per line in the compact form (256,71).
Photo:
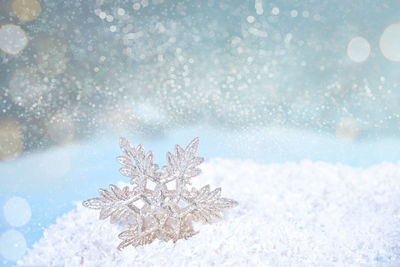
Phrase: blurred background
(269,81)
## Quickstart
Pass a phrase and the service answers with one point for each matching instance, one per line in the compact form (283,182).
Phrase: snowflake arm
(207,206)
(182,166)
(137,165)
(115,204)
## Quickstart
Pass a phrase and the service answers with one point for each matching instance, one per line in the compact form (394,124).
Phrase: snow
(289,214)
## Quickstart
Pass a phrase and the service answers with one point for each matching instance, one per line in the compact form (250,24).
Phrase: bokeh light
(149,114)
(61,128)
(51,56)
(358,49)
(250,19)
(27,87)
(347,129)
(12,245)
(275,11)
(389,43)
(266,73)
(11,139)
(224,64)
(13,39)
(17,211)
(120,119)
(26,10)
(259,7)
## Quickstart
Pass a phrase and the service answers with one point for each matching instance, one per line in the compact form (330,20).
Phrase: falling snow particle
(102,15)
(306,14)
(258,6)
(121,11)
(275,11)
(109,18)
(136,6)
(250,19)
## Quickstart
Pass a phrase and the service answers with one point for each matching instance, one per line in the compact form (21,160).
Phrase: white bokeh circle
(12,245)
(389,43)
(358,49)
(17,211)
(13,39)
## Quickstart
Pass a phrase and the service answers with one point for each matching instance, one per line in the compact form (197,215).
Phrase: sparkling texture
(290,214)
(234,65)
(161,212)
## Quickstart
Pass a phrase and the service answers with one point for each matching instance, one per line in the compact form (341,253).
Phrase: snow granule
(293,214)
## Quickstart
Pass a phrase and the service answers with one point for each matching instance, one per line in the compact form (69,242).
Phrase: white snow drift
(288,215)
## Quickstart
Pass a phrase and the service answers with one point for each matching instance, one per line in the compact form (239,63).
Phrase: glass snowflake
(159,205)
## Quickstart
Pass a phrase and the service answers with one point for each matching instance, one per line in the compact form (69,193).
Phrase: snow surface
(292,214)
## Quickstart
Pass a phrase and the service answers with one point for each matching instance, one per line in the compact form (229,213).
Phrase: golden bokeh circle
(26,10)
(11,139)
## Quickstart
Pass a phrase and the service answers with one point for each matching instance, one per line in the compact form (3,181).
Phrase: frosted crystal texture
(292,214)
(159,211)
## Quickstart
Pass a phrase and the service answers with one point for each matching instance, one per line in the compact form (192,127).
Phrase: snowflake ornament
(159,205)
